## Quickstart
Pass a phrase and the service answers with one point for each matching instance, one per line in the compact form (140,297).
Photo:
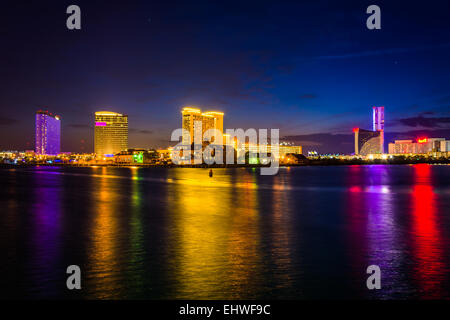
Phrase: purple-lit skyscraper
(378,118)
(378,124)
(48,133)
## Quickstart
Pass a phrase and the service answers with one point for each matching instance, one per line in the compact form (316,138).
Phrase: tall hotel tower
(209,120)
(48,133)
(111,133)
(378,124)
(371,142)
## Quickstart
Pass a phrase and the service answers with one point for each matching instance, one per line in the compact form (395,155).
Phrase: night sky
(310,68)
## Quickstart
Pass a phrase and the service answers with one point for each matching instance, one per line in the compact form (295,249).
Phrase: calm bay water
(156,233)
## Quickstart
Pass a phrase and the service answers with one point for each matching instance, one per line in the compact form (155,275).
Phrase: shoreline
(311,163)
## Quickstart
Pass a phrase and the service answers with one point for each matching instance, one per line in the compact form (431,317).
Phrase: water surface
(176,233)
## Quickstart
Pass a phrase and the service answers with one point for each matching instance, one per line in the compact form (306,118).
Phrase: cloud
(427,122)
(5,121)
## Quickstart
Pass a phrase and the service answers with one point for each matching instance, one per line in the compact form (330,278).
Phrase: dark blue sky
(310,68)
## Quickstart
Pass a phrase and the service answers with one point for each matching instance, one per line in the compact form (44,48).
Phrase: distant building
(371,142)
(48,133)
(165,154)
(205,120)
(136,156)
(378,124)
(291,158)
(402,146)
(285,149)
(423,145)
(217,120)
(378,118)
(367,142)
(445,146)
(111,133)
(282,149)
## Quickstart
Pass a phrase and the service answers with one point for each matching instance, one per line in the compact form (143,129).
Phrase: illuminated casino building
(367,142)
(378,124)
(48,133)
(111,133)
(135,156)
(421,146)
(371,142)
(378,118)
(217,120)
(283,149)
(208,120)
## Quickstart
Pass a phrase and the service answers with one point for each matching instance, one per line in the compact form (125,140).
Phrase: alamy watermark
(374,280)
(74,280)
(236,146)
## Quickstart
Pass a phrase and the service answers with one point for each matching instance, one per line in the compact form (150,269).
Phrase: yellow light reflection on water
(202,230)
(135,271)
(282,228)
(103,255)
(243,248)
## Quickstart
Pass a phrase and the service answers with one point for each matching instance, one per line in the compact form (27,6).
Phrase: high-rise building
(445,146)
(189,117)
(48,133)
(206,120)
(378,124)
(367,142)
(217,122)
(111,133)
(371,142)
(378,118)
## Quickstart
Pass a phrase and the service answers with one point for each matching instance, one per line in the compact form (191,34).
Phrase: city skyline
(261,70)
(110,135)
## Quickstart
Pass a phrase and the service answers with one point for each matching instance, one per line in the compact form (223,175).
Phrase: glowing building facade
(423,145)
(48,133)
(217,120)
(205,121)
(378,118)
(367,142)
(282,149)
(111,133)
(378,124)
(371,142)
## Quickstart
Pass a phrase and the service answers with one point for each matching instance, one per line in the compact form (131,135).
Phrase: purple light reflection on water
(374,237)
(46,235)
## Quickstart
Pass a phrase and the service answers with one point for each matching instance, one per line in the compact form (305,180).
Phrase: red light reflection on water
(427,250)
(357,221)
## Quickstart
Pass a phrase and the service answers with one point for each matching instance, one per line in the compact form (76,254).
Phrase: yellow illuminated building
(111,132)
(217,120)
(209,120)
(283,149)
